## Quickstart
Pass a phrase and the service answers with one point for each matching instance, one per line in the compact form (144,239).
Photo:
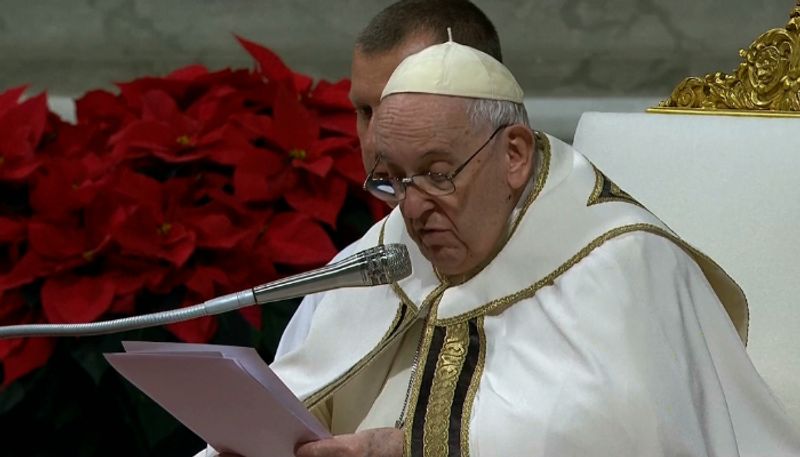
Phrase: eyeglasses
(393,190)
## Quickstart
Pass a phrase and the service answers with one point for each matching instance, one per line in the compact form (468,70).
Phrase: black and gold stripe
(446,390)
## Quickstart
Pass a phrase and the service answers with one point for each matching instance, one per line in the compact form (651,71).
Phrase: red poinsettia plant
(171,191)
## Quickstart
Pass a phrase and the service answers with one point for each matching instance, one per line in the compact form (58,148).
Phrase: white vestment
(593,332)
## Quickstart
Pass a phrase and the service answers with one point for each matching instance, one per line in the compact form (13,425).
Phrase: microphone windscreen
(386,264)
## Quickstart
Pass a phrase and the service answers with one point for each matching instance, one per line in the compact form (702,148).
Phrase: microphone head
(385,264)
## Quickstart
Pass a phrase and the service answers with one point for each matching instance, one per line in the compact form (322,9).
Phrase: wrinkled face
(369,74)
(418,133)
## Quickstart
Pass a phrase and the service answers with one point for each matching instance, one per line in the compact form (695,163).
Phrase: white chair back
(730,186)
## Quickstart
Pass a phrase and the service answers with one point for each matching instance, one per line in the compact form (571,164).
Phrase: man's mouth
(431,237)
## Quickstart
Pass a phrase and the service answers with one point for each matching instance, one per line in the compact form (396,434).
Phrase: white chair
(730,186)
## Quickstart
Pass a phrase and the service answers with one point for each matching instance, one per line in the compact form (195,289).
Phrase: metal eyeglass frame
(436,180)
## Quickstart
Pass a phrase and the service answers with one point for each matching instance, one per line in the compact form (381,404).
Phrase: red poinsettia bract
(171,191)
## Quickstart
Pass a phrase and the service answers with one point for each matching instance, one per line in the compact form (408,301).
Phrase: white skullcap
(454,69)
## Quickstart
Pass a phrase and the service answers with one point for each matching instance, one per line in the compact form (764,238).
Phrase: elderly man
(401,29)
(548,313)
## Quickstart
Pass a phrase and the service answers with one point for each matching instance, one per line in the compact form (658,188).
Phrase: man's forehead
(421,107)
(420,124)
(420,113)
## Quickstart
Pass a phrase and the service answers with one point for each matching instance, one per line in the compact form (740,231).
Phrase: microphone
(381,264)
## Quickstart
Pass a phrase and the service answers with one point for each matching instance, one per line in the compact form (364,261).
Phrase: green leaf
(235,330)
(155,422)
(90,357)
(274,318)
(11,396)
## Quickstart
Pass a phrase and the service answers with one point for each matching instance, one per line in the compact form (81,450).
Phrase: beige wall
(557,48)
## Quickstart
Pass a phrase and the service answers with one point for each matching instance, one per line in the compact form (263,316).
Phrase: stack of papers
(225,394)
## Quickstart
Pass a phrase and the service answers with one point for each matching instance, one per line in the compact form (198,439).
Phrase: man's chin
(445,260)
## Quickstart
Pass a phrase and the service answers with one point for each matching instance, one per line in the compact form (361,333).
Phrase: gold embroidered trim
(498,305)
(323,393)
(443,388)
(598,187)
(401,294)
(474,383)
(391,334)
(541,179)
(326,391)
(394,286)
(424,348)
(740,322)
(616,194)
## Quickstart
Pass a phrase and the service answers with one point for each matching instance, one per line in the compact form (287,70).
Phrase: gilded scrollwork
(766,81)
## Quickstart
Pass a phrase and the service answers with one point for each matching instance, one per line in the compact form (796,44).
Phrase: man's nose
(416,203)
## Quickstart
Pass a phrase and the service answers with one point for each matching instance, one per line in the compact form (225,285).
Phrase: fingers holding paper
(379,442)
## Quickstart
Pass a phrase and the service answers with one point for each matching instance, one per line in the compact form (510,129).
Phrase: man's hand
(377,442)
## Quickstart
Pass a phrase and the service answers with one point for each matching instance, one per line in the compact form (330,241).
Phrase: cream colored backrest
(730,186)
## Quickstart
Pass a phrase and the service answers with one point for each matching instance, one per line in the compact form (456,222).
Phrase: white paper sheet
(227,395)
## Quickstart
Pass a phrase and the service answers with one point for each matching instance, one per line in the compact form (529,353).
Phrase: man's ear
(519,155)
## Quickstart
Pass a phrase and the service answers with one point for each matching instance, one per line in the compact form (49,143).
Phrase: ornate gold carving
(440,400)
(767,82)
